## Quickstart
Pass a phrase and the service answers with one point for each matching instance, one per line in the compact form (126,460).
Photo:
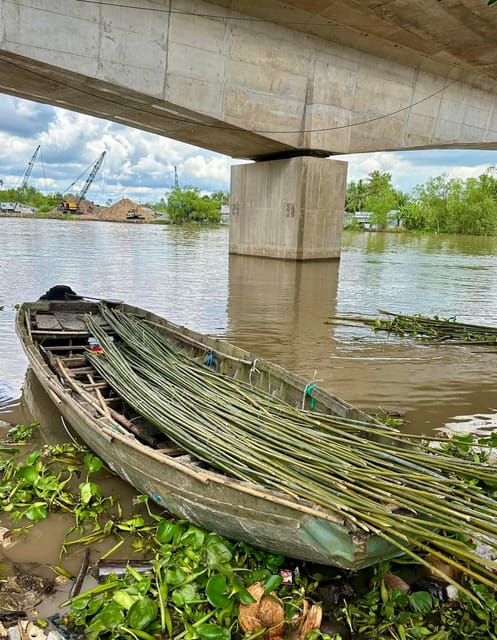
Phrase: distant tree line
(30,196)
(441,205)
(185,205)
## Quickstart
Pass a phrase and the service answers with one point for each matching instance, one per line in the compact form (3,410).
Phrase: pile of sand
(88,208)
(118,212)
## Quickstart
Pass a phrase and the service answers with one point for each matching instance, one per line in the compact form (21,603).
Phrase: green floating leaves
(92,463)
(21,433)
(175,576)
(218,553)
(193,538)
(216,591)
(110,617)
(124,598)
(424,328)
(88,491)
(184,594)
(382,613)
(45,481)
(142,613)
(421,601)
(193,589)
(272,583)
(36,512)
(166,531)
(28,474)
(213,632)
(245,597)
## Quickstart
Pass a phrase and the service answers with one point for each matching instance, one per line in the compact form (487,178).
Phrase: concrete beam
(261,79)
(289,209)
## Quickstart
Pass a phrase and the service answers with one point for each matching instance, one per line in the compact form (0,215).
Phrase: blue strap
(209,361)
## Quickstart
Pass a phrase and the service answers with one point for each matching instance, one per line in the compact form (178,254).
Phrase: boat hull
(237,510)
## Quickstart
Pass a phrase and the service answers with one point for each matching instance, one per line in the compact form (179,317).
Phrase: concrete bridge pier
(290,208)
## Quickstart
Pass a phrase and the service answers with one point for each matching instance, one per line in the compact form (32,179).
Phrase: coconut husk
(310,619)
(438,566)
(395,582)
(266,612)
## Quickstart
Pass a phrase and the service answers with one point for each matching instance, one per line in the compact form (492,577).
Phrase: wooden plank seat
(60,321)
(47,322)
(71,322)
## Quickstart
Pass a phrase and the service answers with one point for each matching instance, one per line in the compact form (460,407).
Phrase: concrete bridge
(284,83)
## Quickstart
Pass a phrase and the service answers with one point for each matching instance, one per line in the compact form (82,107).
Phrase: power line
(234,128)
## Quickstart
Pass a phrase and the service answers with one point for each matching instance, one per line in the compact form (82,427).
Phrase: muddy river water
(275,309)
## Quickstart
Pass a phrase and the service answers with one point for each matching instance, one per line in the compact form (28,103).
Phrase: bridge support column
(290,209)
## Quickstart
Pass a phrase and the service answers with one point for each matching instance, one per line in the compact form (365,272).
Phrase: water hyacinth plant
(198,580)
(196,583)
(421,327)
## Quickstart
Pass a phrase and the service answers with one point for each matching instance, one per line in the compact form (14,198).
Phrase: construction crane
(72,206)
(25,178)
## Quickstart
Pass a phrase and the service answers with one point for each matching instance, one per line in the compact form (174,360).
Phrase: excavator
(72,205)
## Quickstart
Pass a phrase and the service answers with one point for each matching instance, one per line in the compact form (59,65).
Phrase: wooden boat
(56,341)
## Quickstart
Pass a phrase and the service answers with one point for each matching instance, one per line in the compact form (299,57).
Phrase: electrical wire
(232,127)
(43,172)
(78,178)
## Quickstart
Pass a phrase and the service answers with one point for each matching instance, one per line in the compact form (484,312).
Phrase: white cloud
(411,168)
(467,172)
(10,145)
(25,109)
(70,132)
(216,168)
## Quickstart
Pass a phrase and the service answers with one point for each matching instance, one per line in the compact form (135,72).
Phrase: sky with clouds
(141,166)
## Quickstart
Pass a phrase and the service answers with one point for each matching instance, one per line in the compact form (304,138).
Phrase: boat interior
(64,340)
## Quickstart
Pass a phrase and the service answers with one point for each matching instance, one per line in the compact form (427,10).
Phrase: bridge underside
(34,80)
(265,80)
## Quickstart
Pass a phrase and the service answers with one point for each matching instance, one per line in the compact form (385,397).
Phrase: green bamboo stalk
(342,470)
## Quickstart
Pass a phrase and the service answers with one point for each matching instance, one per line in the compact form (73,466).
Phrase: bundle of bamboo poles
(396,486)
(425,328)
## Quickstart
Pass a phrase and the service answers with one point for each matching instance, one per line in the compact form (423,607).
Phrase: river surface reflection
(276,309)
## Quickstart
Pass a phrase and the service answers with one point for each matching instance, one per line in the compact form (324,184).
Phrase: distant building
(363,218)
(394,219)
(24,209)
(225,214)
(16,207)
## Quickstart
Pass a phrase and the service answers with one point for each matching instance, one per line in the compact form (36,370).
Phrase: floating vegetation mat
(417,497)
(422,327)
